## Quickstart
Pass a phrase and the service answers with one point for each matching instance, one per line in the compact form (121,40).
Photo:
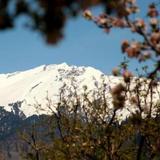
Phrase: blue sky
(84,44)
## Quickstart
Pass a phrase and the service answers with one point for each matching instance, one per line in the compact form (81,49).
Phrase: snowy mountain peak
(33,88)
(34,85)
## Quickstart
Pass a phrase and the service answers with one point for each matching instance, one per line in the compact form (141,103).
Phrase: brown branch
(144,35)
(59,126)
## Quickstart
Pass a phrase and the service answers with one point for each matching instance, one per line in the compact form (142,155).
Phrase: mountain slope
(32,86)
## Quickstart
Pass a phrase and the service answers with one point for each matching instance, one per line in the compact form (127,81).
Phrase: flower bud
(155,38)
(115,71)
(127,75)
(140,23)
(118,89)
(152,11)
(133,50)
(125,45)
(87,14)
(153,22)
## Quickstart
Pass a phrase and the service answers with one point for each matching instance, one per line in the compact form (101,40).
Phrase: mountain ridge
(34,85)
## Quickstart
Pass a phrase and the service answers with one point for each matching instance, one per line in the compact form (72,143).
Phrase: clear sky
(84,44)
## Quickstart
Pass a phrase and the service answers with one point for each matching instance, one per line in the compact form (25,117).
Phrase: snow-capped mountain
(31,87)
(42,85)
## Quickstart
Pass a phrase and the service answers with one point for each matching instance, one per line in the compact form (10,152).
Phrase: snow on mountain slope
(32,87)
(35,85)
